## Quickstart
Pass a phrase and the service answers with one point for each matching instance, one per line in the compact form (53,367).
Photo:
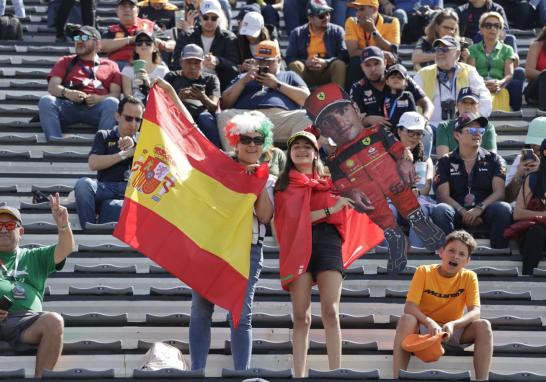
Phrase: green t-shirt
(444,136)
(35,265)
(492,66)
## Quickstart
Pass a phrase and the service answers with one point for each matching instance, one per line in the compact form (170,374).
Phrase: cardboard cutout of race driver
(369,165)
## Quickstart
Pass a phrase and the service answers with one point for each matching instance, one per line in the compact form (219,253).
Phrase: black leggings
(535,92)
(531,247)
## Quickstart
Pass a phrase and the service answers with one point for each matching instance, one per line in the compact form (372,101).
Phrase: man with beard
(82,88)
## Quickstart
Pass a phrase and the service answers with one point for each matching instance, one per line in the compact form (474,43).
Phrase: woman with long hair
(137,80)
(250,34)
(535,71)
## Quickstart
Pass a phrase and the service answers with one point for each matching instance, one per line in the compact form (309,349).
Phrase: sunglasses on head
(442,49)
(246,140)
(497,26)
(144,42)
(9,226)
(130,118)
(476,130)
(211,18)
(81,37)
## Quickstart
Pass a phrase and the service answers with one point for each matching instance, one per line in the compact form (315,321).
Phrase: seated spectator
(198,91)
(535,92)
(416,16)
(138,76)
(400,100)
(521,167)
(277,94)
(368,28)
(317,50)
(444,23)
(82,88)
(190,17)
(219,45)
(410,131)
(23,277)
(443,80)
(470,184)
(161,12)
(370,93)
(531,209)
(251,33)
(111,156)
(468,101)
(520,13)
(496,61)
(269,9)
(435,304)
(119,39)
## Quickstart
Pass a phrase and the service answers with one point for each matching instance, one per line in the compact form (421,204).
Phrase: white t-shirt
(159,72)
(258,229)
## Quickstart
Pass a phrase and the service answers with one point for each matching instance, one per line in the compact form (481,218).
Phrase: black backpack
(10,28)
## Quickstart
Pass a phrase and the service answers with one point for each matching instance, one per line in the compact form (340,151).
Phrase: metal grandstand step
(434,375)
(256,373)
(343,374)
(517,377)
(95,319)
(77,374)
(168,373)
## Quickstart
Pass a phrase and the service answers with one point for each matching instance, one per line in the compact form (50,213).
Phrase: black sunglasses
(212,18)
(130,118)
(246,140)
(144,42)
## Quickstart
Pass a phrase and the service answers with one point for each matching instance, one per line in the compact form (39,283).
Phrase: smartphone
(5,303)
(527,154)
(199,87)
(180,15)
(190,7)
(263,70)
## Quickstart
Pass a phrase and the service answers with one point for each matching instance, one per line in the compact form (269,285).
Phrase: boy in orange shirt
(436,302)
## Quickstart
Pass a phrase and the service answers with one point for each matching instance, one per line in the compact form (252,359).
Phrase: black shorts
(326,250)
(14,325)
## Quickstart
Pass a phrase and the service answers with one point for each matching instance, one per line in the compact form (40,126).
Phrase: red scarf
(293,208)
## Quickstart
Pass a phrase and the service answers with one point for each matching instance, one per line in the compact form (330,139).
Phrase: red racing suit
(368,163)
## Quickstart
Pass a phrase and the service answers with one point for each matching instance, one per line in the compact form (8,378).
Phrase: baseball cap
(447,40)
(318,7)
(536,132)
(467,118)
(468,92)
(252,24)
(267,50)
(134,2)
(88,30)
(143,33)
(397,69)
(11,211)
(359,3)
(211,6)
(371,52)
(426,347)
(323,99)
(192,51)
(303,134)
(411,120)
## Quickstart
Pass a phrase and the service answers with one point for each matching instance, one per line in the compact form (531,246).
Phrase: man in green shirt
(23,273)
(468,101)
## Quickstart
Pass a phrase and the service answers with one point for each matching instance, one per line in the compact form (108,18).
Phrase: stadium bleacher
(116,302)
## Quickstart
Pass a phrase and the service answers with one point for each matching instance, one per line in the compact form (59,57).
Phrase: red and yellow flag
(188,206)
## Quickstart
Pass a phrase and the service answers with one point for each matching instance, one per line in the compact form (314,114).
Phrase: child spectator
(399,100)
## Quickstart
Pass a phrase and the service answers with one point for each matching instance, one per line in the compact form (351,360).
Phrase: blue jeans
(496,217)
(415,241)
(241,338)
(55,112)
(208,126)
(91,194)
(340,12)
(429,140)
(515,88)
(18,7)
(295,14)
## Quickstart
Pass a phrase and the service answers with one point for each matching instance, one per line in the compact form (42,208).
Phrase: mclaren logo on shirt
(444,295)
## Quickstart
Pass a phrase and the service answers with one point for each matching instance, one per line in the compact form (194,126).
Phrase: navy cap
(448,41)
(468,93)
(467,118)
(397,69)
(372,52)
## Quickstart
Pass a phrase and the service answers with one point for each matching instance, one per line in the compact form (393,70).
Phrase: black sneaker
(432,236)
(398,250)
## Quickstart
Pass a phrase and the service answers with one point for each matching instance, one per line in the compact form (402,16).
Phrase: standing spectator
(324,264)
(470,184)
(23,277)
(278,94)
(82,88)
(18,7)
(446,298)
(251,33)
(111,156)
(248,134)
(219,45)
(317,50)
(535,92)
(468,101)
(65,6)
(531,209)
(119,40)
(495,62)
(138,84)
(368,28)
(198,91)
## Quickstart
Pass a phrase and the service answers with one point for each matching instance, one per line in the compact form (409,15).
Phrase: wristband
(63,228)
(327,212)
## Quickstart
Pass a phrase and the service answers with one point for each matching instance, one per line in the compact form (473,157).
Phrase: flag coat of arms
(189,207)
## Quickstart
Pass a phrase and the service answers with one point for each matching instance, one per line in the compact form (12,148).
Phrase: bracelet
(327,212)
(63,228)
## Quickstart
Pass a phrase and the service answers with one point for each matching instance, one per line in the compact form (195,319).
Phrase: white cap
(211,6)
(252,24)
(412,120)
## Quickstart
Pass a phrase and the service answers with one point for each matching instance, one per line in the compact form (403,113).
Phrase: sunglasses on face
(476,130)
(491,26)
(9,226)
(130,118)
(441,49)
(246,140)
(211,18)
(144,42)
(81,37)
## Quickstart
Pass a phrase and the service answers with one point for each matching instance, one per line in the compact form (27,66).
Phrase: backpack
(10,28)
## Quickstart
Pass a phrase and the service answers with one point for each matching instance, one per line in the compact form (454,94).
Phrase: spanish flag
(188,206)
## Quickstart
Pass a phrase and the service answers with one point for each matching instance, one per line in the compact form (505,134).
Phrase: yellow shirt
(388,27)
(441,298)
(316,45)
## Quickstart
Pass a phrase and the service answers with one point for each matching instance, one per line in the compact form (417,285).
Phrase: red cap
(323,99)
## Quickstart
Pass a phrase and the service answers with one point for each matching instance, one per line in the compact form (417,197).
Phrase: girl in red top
(310,227)
(535,92)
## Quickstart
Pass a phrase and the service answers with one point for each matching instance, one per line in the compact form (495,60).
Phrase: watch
(481,206)
(375,33)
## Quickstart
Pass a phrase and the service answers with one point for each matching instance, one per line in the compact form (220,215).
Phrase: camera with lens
(448,109)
